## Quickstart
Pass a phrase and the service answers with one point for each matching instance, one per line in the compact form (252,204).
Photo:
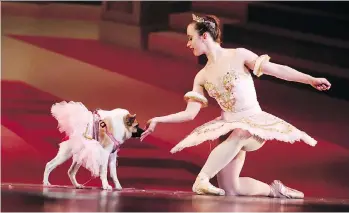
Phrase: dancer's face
(196,43)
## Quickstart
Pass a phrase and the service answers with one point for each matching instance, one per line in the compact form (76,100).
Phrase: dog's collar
(102,124)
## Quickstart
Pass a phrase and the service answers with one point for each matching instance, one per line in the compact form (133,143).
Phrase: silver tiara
(201,20)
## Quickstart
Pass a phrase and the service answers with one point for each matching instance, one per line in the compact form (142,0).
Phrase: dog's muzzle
(138,133)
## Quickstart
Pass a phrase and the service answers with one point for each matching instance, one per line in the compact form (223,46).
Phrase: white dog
(94,138)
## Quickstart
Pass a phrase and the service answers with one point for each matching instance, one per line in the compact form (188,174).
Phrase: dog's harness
(97,121)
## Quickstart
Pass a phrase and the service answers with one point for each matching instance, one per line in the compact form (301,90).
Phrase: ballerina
(243,124)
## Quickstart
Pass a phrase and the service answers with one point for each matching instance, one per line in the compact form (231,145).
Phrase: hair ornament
(201,20)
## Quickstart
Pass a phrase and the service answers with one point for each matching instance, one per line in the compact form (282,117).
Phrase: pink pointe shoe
(203,186)
(279,190)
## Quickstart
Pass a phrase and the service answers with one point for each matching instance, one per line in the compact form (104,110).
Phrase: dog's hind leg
(64,153)
(72,175)
(112,169)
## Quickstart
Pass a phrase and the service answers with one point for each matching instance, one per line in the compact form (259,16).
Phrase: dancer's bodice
(234,90)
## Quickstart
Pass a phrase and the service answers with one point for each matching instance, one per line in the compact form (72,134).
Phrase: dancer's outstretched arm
(195,101)
(261,65)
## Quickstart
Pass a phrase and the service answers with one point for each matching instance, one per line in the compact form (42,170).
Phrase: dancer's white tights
(228,158)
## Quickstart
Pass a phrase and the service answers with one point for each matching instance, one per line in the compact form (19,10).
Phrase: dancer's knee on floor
(233,190)
(230,193)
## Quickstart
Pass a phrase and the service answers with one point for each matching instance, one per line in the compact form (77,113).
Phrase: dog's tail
(73,117)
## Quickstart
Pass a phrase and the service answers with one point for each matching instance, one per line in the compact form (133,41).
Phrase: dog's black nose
(138,133)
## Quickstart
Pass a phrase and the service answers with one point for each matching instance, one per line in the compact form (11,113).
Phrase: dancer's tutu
(261,124)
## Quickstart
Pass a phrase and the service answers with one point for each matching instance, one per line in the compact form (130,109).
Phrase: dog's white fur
(119,131)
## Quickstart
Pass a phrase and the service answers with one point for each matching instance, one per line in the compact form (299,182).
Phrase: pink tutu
(87,153)
(91,155)
(72,117)
(76,121)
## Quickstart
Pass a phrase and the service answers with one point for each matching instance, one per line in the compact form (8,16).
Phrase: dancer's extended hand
(150,127)
(320,84)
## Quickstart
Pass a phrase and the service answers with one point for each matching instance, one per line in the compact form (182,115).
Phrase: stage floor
(31,197)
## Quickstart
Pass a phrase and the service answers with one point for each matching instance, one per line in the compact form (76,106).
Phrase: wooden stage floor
(31,197)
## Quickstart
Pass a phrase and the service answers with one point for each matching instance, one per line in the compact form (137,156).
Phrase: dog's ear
(130,119)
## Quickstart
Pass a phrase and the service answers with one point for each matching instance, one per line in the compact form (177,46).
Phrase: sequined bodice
(234,91)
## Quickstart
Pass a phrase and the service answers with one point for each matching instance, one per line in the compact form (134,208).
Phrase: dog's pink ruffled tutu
(75,120)
(72,117)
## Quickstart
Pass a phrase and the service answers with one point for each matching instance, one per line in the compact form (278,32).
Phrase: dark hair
(211,24)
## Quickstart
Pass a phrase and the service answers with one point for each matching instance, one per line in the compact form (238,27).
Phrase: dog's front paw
(107,187)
